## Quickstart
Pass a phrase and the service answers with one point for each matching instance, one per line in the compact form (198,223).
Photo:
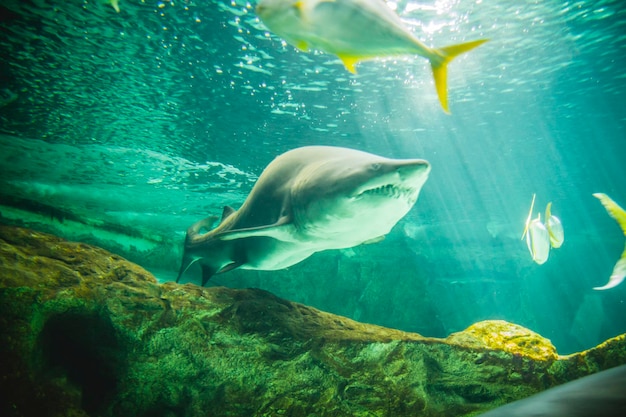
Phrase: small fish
(538,241)
(555,228)
(355,30)
(618,213)
(539,236)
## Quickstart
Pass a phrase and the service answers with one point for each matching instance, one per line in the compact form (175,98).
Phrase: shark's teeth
(390,190)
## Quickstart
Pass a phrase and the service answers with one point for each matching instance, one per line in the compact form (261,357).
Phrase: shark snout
(395,177)
(413,169)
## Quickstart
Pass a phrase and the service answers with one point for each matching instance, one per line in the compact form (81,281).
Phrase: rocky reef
(84,332)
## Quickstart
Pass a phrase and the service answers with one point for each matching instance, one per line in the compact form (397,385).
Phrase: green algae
(84,332)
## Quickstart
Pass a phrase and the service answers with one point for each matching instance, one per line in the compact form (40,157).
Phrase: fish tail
(192,235)
(439,64)
(618,213)
(613,209)
(618,275)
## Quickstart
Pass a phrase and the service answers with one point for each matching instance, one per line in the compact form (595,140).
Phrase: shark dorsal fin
(228,210)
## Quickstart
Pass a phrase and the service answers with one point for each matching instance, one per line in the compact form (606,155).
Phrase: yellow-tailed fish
(555,228)
(355,30)
(618,213)
(115,4)
(538,241)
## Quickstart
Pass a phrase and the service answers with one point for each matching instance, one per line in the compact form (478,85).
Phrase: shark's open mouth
(389,190)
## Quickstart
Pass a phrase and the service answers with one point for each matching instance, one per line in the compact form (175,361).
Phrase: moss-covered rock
(84,332)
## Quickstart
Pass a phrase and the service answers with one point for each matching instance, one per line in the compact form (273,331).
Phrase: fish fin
(374,240)
(613,209)
(302,45)
(555,228)
(618,275)
(207,273)
(439,66)
(306,7)
(204,224)
(115,4)
(230,267)
(530,213)
(228,210)
(349,62)
(187,262)
(276,230)
(618,213)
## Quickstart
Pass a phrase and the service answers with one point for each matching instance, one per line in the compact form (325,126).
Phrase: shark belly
(269,254)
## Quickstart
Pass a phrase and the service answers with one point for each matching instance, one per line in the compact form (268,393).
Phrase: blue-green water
(131,126)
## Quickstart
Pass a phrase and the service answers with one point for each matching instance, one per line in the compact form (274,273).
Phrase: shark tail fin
(187,261)
(439,66)
(193,234)
(207,273)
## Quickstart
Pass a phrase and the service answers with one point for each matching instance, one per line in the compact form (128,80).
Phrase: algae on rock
(84,332)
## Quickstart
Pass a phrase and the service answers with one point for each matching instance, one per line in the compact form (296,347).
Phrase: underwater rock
(84,332)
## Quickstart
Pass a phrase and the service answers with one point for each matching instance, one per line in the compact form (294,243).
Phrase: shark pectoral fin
(374,240)
(229,267)
(613,209)
(618,275)
(439,66)
(349,62)
(280,230)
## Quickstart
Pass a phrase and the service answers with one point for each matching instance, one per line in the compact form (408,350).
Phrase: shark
(306,200)
(598,395)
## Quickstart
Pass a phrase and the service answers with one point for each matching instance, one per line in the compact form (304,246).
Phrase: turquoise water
(122,129)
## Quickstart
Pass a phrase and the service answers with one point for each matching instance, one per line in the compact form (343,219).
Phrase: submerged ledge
(84,332)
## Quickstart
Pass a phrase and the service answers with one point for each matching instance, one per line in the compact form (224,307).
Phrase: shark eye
(375,166)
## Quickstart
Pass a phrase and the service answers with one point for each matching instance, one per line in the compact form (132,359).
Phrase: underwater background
(123,129)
